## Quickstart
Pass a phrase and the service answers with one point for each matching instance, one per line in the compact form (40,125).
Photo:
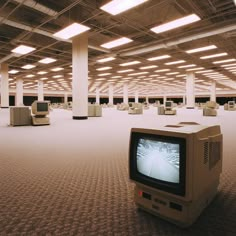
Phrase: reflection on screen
(158,159)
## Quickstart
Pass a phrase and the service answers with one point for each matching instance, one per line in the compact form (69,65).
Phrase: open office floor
(71,178)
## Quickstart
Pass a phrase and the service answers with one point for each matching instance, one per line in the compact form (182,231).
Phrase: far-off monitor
(40,108)
(231,104)
(169,104)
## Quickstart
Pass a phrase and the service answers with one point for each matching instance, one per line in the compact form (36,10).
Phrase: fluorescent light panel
(104,74)
(116,76)
(30,76)
(104,68)
(117,6)
(106,59)
(47,60)
(224,61)
(148,67)
(130,63)
(203,71)
(71,31)
(116,43)
(13,72)
(172,73)
(42,72)
(56,76)
(214,55)
(175,62)
(139,73)
(158,58)
(27,67)
(210,47)
(23,49)
(176,23)
(198,68)
(227,65)
(163,70)
(57,69)
(187,66)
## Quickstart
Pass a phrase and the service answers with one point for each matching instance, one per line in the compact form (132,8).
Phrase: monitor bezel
(135,175)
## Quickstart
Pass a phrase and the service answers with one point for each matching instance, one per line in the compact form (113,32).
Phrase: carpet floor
(71,177)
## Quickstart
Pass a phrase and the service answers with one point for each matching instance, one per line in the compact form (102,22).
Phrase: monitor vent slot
(214,153)
(206,152)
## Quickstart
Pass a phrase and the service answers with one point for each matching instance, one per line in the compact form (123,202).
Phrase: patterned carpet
(61,190)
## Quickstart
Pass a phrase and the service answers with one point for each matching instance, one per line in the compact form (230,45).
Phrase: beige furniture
(40,110)
(20,116)
(170,112)
(210,109)
(122,107)
(135,108)
(231,106)
(161,110)
(94,110)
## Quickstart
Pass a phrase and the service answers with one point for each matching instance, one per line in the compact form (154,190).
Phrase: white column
(125,93)
(147,99)
(97,95)
(19,92)
(110,94)
(213,90)
(184,99)
(80,76)
(40,91)
(4,86)
(164,100)
(65,98)
(190,83)
(136,97)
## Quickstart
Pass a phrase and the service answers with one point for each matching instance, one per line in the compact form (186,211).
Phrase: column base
(4,107)
(190,107)
(80,117)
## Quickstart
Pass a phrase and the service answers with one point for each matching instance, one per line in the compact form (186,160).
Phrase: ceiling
(33,23)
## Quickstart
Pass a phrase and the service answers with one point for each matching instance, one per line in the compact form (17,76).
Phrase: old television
(168,105)
(231,105)
(176,169)
(40,108)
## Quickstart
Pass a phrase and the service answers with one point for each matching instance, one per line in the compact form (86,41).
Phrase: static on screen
(158,160)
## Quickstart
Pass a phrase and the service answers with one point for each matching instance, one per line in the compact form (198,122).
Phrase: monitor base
(182,213)
(40,120)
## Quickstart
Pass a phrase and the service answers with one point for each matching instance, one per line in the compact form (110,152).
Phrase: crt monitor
(160,162)
(231,104)
(175,169)
(40,108)
(169,104)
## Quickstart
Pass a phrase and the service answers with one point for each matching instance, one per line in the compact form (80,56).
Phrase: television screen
(168,104)
(158,159)
(42,106)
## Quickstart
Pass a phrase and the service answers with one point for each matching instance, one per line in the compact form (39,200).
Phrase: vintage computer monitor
(40,110)
(231,105)
(168,105)
(169,108)
(176,170)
